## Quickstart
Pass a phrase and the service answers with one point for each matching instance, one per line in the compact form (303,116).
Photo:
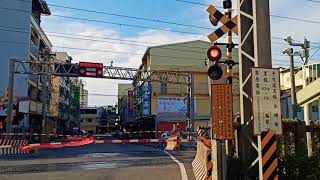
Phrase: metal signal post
(215,72)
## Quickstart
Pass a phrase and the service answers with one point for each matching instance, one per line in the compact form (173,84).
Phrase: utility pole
(294,103)
(304,54)
(45,87)
(254,51)
(10,97)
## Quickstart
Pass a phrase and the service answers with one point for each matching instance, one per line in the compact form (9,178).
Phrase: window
(164,88)
(89,120)
(299,109)
(315,107)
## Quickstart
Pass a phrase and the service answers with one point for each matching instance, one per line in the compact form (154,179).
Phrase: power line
(128,25)
(120,52)
(197,3)
(137,26)
(315,53)
(271,15)
(313,1)
(120,43)
(131,17)
(99,37)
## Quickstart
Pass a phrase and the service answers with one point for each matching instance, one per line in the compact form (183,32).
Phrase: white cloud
(279,28)
(105,86)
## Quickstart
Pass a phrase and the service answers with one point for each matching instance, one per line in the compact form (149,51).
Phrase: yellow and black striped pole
(269,159)
(228,13)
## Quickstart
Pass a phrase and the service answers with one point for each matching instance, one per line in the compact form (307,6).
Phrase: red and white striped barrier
(143,132)
(31,147)
(124,141)
(10,147)
(35,134)
(24,148)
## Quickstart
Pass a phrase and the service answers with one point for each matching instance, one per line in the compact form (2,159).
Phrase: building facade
(83,95)
(125,115)
(168,102)
(65,98)
(23,38)
(89,119)
(312,74)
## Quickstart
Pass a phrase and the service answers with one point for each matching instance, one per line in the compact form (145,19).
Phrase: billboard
(168,106)
(146,99)
(266,100)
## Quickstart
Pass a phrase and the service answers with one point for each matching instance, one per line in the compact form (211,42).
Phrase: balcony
(34,49)
(43,36)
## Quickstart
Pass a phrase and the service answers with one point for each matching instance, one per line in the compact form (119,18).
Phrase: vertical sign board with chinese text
(266,100)
(222,115)
(146,99)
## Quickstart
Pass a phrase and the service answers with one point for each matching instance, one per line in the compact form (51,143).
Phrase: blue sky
(165,10)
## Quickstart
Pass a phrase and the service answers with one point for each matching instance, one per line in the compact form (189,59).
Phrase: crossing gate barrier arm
(8,147)
(173,143)
(202,164)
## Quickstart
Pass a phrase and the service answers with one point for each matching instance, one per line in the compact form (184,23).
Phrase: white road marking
(183,171)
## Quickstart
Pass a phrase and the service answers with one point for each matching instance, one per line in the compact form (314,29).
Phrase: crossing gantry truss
(109,72)
(49,68)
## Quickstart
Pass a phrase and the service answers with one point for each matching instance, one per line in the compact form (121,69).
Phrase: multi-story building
(90,118)
(125,114)
(65,96)
(312,74)
(167,103)
(23,38)
(83,95)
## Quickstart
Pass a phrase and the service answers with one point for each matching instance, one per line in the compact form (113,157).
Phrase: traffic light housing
(99,72)
(88,69)
(215,72)
(214,54)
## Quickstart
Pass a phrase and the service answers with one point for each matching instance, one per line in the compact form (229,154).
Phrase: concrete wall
(285,79)
(14,45)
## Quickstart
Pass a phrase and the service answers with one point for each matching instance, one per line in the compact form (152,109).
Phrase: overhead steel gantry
(109,72)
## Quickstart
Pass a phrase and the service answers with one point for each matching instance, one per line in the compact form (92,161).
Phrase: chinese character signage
(173,106)
(146,99)
(266,100)
(222,115)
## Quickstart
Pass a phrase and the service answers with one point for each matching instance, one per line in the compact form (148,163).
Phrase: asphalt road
(98,162)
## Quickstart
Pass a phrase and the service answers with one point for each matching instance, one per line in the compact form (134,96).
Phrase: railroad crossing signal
(214,54)
(88,69)
(228,24)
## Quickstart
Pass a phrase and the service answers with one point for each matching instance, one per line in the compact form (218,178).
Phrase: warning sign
(222,116)
(266,102)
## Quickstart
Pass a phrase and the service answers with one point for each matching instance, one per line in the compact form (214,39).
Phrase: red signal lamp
(99,72)
(214,53)
(82,71)
(3,107)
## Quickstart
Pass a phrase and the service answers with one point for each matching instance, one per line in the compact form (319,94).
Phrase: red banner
(130,101)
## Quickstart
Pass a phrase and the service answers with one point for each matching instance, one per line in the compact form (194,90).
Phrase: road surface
(99,162)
